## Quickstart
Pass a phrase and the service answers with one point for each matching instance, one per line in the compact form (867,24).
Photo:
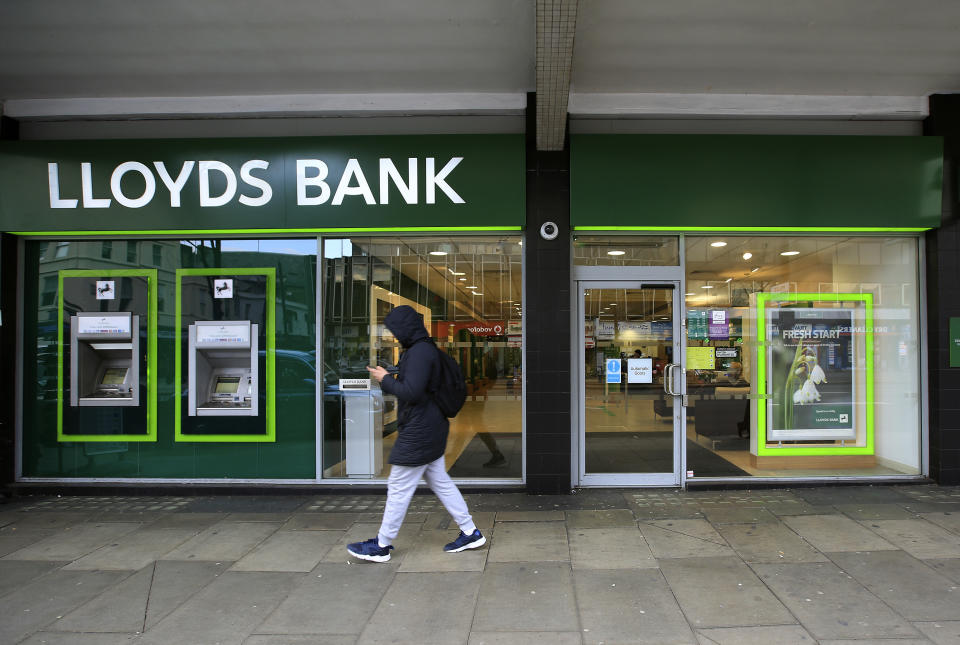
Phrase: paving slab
(600,519)
(73,542)
(609,548)
(321,521)
(133,551)
(740,515)
(335,598)
(770,635)
(223,541)
(830,603)
(875,511)
(919,538)
(13,539)
(426,555)
(258,517)
(121,608)
(932,507)
(833,533)
(722,592)
(406,538)
(529,596)
(424,608)
(877,641)
(288,551)
(226,611)
(941,632)
(483,519)
(619,606)
(948,521)
(524,638)
(798,507)
(911,588)
(50,519)
(530,516)
(769,543)
(248,504)
(949,567)
(684,539)
(196,521)
(832,495)
(60,638)
(175,582)
(41,602)
(529,542)
(14,574)
(143,517)
(315,639)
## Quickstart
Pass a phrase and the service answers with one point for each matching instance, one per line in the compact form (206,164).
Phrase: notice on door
(701,358)
(639,370)
(613,370)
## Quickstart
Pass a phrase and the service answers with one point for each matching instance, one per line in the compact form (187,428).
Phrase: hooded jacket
(423,428)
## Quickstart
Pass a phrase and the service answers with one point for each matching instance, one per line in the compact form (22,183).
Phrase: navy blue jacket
(423,429)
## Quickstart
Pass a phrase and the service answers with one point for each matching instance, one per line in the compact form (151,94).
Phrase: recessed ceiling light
(452,272)
(613,304)
(718,244)
(477,293)
(616,252)
(790,253)
(747,255)
(754,269)
(690,294)
(462,279)
(728,279)
(707,286)
(472,286)
(438,252)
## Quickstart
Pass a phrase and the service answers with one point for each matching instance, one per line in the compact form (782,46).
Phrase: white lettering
(175,187)
(266,192)
(317,180)
(435,181)
(228,193)
(344,188)
(86,183)
(389,171)
(148,191)
(53,181)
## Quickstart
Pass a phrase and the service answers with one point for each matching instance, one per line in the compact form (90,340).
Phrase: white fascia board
(768,106)
(481,103)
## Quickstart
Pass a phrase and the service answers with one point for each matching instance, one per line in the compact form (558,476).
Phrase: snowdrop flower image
(808,393)
(801,385)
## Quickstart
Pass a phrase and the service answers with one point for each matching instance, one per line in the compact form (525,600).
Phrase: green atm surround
(268,381)
(151,276)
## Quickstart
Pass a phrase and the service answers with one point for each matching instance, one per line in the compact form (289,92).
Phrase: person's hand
(377,373)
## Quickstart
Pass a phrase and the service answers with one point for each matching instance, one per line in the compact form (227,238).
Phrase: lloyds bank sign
(460,181)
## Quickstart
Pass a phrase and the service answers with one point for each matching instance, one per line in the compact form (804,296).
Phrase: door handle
(668,379)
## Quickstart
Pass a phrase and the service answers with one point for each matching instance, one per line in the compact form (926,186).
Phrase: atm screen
(227,385)
(114,376)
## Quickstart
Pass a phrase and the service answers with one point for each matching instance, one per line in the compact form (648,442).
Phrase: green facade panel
(751,182)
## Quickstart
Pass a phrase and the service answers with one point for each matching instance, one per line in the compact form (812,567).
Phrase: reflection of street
(619,412)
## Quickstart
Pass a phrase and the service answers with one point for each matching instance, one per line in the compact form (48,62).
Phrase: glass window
(626,250)
(157,255)
(132,252)
(106,250)
(803,356)
(468,291)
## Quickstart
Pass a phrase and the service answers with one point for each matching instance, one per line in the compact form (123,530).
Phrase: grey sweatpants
(401,486)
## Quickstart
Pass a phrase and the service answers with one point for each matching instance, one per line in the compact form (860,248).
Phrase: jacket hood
(406,324)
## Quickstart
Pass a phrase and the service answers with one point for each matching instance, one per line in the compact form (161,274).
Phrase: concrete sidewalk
(806,565)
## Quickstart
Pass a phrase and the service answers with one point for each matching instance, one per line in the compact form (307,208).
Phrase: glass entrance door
(631,384)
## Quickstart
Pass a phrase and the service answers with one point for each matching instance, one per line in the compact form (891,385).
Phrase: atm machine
(104,368)
(222,368)
(363,427)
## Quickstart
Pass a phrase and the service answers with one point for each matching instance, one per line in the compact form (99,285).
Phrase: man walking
(421,441)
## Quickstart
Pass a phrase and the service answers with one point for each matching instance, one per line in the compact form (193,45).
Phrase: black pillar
(9,130)
(943,298)
(547,316)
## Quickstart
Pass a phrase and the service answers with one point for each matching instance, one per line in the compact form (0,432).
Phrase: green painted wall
(489,180)
(799,182)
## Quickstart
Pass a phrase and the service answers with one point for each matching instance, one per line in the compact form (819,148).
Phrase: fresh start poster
(810,358)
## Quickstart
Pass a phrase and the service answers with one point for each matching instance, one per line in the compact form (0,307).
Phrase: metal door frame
(625,278)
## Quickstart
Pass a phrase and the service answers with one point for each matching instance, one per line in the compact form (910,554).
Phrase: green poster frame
(762,299)
(271,434)
(152,277)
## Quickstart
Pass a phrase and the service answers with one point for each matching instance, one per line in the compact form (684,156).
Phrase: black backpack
(450,390)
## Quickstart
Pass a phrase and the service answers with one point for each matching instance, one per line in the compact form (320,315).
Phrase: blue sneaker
(464,542)
(370,550)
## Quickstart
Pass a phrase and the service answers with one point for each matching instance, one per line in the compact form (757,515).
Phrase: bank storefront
(204,310)
(749,306)
(737,308)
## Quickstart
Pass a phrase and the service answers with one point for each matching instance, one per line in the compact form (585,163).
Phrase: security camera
(549,231)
